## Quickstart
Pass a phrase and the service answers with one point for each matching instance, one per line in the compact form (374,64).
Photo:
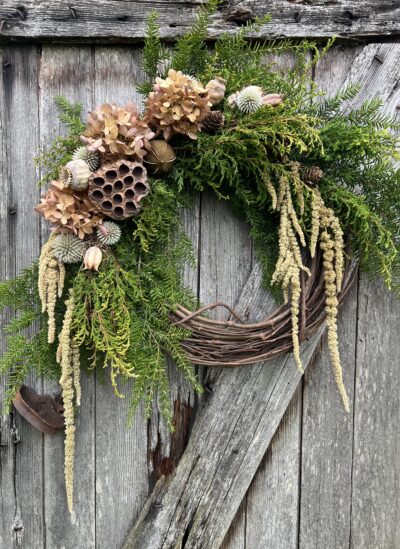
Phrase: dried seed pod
(92,158)
(79,174)
(65,177)
(118,188)
(213,122)
(250,99)
(272,99)
(93,257)
(108,233)
(160,157)
(216,90)
(68,248)
(312,176)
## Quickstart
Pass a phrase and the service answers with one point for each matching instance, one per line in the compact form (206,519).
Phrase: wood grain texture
(121,453)
(68,72)
(327,431)
(229,439)
(375,511)
(116,21)
(348,494)
(165,448)
(276,484)
(20,463)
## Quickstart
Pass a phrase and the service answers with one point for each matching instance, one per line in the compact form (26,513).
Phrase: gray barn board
(266,458)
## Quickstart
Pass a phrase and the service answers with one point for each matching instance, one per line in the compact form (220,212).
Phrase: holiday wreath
(303,170)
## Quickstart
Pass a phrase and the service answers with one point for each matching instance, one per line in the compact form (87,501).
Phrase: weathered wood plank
(7,270)
(121,453)
(327,443)
(68,72)
(226,258)
(327,436)
(276,484)
(375,511)
(376,467)
(225,253)
(116,21)
(165,449)
(20,234)
(229,439)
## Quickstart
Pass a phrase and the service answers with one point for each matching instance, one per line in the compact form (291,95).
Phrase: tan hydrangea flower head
(177,104)
(68,211)
(117,131)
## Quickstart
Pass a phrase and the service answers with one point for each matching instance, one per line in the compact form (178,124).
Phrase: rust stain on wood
(165,465)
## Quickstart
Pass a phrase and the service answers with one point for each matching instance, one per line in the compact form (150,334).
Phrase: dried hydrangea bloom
(68,211)
(120,131)
(177,104)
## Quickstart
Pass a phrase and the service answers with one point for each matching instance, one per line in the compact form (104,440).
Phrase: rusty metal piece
(42,411)
(118,188)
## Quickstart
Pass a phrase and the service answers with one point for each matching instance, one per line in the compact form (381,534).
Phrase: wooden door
(272,461)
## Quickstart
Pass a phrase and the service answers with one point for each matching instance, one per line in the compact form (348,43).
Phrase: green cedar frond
(190,52)
(153,53)
(51,159)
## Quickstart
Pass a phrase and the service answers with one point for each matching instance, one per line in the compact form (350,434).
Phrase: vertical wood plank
(375,512)
(276,484)
(225,259)
(376,466)
(21,463)
(121,453)
(327,429)
(68,71)
(272,500)
(165,449)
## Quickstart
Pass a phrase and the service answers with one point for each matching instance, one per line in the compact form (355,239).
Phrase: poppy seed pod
(93,257)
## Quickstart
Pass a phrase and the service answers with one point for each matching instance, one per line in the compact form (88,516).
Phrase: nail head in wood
(22,12)
(72,10)
(378,58)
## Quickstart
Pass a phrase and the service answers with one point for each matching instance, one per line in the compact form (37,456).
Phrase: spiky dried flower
(108,233)
(69,211)
(68,248)
(92,158)
(177,104)
(113,130)
(250,99)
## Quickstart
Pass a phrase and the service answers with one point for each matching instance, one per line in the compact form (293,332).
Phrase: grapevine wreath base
(300,169)
(231,343)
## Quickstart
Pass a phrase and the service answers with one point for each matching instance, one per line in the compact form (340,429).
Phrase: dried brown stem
(230,343)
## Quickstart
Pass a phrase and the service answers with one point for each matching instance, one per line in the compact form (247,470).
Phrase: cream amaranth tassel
(68,358)
(325,229)
(50,284)
(331,306)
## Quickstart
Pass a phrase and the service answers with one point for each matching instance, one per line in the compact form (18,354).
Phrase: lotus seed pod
(160,157)
(118,188)
(68,248)
(93,257)
(80,174)
(92,158)
(108,233)
(250,99)
(216,90)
